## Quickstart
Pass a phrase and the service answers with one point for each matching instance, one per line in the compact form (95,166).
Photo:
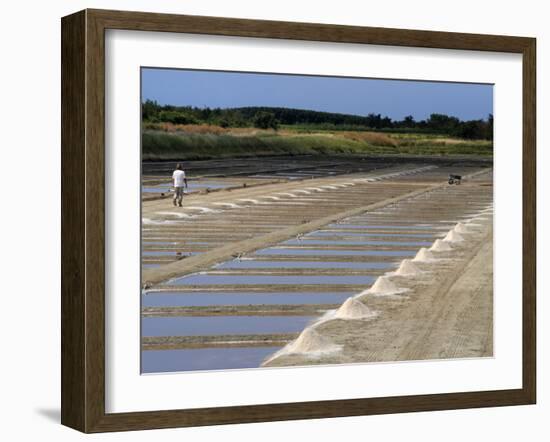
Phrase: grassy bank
(203,142)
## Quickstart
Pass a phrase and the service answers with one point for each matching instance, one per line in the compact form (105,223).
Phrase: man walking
(180,182)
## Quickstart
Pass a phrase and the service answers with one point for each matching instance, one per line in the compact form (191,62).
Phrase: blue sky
(359,96)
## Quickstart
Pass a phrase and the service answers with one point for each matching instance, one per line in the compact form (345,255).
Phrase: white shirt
(179,177)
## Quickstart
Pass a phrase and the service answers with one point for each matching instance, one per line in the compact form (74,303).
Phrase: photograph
(299,220)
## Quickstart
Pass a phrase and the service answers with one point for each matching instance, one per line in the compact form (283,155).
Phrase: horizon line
(312,110)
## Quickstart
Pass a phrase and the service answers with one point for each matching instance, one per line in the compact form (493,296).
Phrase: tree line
(274,117)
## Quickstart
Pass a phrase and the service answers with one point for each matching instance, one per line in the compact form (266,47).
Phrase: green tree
(175,117)
(409,121)
(490,128)
(265,120)
(150,110)
(443,123)
(472,130)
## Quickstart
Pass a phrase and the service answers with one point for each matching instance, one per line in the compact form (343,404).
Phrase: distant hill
(272,117)
(287,115)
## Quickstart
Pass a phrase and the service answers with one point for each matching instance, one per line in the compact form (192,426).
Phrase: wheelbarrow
(454,179)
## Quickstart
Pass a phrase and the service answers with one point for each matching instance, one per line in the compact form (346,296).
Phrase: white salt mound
(440,246)
(152,222)
(203,209)
(309,341)
(424,255)
(354,309)
(407,267)
(475,221)
(461,228)
(176,214)
(383,285)
(452,236)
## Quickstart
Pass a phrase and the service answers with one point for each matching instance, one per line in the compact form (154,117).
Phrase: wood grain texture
(144,21)
(73,256)
(95,221)
(529,220)
(83,220)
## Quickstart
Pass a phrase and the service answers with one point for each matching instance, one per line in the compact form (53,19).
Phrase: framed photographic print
(268,221)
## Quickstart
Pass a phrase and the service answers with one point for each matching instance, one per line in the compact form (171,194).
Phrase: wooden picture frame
(83,220)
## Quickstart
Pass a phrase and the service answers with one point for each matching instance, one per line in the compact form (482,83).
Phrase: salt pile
(176,214)
(461,228)
(407,267)
(452,236)
(203,209)
(424,255)
(384,286)
(475,221)
(310,342)
(354,309)
(152,222)
(440,246)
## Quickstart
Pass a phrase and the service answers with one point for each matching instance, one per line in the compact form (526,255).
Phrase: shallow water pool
(315,242)
(166,188)
(204,299)
(206,279)
(252,264)
(360,234)
(161,361)
(384,227)
(320,252)
(150,266)
(222,325)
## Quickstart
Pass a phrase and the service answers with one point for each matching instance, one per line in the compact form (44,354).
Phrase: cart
(455,179)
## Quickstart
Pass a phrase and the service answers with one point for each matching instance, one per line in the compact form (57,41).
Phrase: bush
(265,120)
(175,117)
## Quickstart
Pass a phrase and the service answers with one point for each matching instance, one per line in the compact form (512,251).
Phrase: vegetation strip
(187,133)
